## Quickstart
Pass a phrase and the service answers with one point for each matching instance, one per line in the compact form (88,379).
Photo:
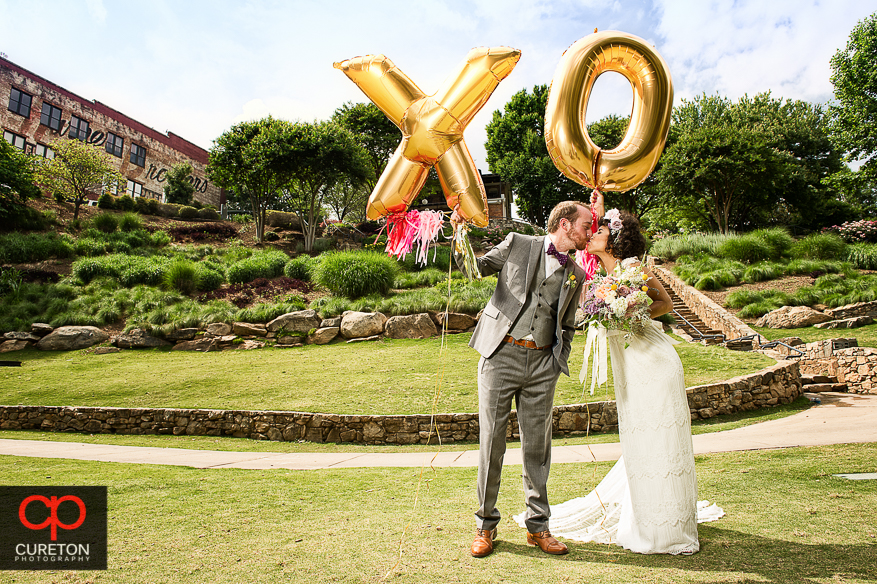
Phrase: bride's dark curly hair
(629,242)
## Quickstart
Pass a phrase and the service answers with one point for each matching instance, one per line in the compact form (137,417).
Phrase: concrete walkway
(840,419)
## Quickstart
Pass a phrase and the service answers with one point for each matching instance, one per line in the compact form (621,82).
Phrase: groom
(524,338)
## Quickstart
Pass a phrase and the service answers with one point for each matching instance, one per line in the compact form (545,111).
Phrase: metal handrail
(697,331)
(773,344)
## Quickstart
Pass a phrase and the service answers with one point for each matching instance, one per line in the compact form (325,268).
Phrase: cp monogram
(432,128)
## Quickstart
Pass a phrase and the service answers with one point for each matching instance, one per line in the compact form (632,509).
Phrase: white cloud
(97,10)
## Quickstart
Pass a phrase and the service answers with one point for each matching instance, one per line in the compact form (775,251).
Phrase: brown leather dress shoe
(546,543)
(483,544)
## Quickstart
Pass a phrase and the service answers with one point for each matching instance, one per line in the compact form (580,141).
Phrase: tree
(179,188)
(78,170)
(250,160)
(16,180)
(372,130)
(321,155)
(517,152)
(742,165)
(854,116)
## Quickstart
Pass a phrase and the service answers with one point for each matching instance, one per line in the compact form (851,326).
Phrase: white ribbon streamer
(597,345)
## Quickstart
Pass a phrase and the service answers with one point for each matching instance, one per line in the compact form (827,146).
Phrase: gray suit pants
(528,376)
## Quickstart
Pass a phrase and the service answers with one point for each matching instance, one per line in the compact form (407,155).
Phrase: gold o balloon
(570,146)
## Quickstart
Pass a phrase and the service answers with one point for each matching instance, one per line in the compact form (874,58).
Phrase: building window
(19,102)
(138,155)
(114,144)
(51,116)
(14,139)
(135,189)
(44,151)
(78,128)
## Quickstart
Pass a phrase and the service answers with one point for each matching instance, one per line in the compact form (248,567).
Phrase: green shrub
(301,268)
(106,201)
(130,222)
(208,213)
(209,277)
(182,276)
(18,248)
(437,257)
(353,274)
(160,239)
(188,213)
(693,244)
(126,269)
(820,246)
(262,264)
(862,255)
(270,236)
(105,222)
(242,218)
(125,203)
(88,247)
(776,240)
(763,271)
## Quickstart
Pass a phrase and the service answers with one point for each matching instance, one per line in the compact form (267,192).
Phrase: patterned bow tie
(561,257)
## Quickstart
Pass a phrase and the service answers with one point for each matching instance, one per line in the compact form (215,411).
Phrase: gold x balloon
(432,128)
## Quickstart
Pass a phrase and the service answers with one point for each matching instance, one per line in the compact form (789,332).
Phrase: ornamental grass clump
(105,222)
(819,246)
(126,269)
(862,255)
(18,248)
(670,248)
(756,246)
(262,264)
(130,222)
(182,276)
(357,273)
(301,268)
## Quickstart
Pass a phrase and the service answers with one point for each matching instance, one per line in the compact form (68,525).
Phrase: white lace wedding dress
(648,502)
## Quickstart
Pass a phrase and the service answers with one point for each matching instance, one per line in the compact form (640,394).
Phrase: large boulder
(203,344)
(21,336)
(13,345)
(71,338)
(792,317)
(218,329)
(249,329)
(41,329)
(853,310)
(323,335)
(183,334)
(412,326)
(355,325)
(846,323)
(456,321)
(295,322)
(138,339)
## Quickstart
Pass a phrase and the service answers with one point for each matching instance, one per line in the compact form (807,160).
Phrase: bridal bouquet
(618,300)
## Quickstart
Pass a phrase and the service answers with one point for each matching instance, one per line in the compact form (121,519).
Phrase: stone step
(811,379)
(824,387)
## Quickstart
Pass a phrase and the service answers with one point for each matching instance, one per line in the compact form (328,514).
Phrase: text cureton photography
(53,528)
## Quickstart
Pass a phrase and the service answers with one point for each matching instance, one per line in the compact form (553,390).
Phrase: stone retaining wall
(842,359)
(713,315)
(777,384)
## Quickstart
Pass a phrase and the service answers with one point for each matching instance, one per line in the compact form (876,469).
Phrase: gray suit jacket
(515,261)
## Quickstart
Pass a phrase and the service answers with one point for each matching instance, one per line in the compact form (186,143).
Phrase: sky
(196,68)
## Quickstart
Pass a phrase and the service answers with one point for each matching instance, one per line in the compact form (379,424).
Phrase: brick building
(39,112)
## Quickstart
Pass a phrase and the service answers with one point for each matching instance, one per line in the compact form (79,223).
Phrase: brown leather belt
(525,343)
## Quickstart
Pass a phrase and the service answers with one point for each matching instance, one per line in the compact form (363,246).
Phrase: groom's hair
(563,210)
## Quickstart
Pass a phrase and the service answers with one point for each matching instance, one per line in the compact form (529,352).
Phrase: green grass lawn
(867,335)
(788,521)
(383,377)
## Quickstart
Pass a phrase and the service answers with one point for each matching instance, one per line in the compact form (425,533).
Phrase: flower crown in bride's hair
(613,216)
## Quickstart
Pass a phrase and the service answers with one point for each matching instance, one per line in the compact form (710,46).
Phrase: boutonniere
(570,281)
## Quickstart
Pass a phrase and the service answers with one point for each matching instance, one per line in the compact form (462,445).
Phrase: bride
(648,502)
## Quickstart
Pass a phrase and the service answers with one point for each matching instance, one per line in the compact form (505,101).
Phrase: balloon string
(433,426)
